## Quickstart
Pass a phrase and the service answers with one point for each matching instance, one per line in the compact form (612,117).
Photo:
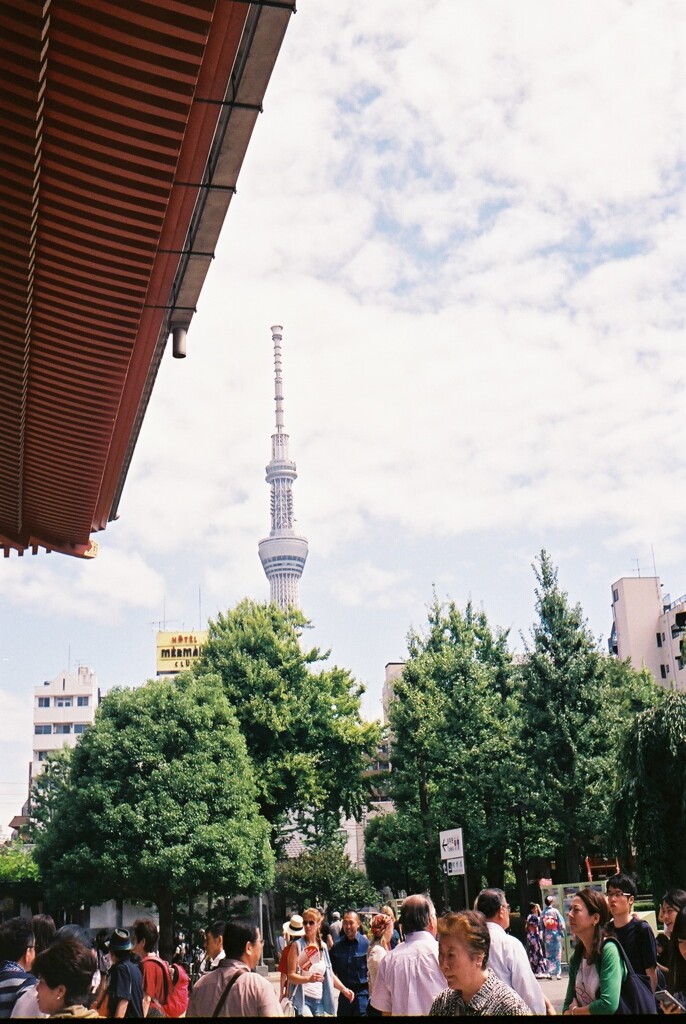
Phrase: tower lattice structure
(283,553)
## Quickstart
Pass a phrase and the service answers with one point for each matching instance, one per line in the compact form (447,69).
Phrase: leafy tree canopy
(453,750)
(156,801)
(324,878)
(650,806)
(576,707)
(302,725)
(392,856)
(17,864)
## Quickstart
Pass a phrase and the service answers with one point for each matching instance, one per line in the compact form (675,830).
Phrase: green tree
(453,750)
(302,725)
(649,809)
(576,707)
(324,878)
(19,874)
(157,802)
(17,864)
(391,855)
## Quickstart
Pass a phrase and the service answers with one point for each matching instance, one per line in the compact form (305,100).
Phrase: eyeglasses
(308,922)
(614,895)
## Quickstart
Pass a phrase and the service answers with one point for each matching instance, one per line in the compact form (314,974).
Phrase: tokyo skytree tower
(283,553)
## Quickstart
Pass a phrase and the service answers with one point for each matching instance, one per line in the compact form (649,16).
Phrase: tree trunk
(567,862)
(495,868)
(430,843)
(165,909)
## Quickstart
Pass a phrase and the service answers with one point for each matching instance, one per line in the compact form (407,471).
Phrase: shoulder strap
(234,978)
(620,949)
(166,976)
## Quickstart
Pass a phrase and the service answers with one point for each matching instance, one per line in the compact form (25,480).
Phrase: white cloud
(99,589)
(470,219)
(366,585)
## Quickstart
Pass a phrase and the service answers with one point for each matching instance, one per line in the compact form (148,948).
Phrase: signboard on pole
(455,866)
(451,846)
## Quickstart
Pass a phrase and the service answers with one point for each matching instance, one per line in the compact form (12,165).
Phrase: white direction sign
(451,844)
(456,866)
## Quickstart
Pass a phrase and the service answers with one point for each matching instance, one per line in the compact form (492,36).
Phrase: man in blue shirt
(349,962)
(17,953)
(125,979)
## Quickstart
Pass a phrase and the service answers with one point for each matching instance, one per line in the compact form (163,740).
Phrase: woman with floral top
(474,991)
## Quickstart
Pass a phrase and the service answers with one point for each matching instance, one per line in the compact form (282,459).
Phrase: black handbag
(636,997)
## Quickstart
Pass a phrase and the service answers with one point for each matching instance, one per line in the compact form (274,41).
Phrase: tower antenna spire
(283,553)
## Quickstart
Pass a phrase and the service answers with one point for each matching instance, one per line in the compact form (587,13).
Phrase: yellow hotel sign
(178,650)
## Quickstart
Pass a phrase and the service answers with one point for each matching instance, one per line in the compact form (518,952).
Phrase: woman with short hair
(596,968)
(65,974)
(464,943)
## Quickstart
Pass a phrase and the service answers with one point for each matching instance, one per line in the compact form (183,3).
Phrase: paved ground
(554,990)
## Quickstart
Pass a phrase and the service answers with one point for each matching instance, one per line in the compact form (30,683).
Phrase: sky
(469,218)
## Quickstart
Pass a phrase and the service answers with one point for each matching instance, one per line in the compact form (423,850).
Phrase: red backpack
(175,983)
(177,1000)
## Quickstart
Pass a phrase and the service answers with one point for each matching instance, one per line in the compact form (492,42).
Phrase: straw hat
(295,927)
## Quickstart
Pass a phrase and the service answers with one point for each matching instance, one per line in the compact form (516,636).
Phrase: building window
(658,637)
(63,702)
(615,595)
(41,755)
(82,702)
(63,730)
(680,663)
(43,702)
(663,671)
(79,727)
(42,730)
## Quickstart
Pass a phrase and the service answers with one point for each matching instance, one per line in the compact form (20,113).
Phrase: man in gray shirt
(232,989)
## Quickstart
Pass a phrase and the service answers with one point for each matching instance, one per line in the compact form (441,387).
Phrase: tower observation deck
(283,553)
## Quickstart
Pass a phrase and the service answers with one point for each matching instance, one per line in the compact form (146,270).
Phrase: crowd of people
(464,963)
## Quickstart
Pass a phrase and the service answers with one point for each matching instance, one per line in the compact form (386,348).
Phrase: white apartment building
(62,708)
(648,627)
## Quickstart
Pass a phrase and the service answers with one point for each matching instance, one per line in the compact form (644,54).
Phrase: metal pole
(523,887)
(259,914)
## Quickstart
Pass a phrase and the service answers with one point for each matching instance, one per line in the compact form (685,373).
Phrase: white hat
(295,926)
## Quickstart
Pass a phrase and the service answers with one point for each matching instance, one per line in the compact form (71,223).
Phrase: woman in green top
(596,969)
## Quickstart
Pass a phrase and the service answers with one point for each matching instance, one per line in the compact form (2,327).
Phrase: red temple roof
(124,127)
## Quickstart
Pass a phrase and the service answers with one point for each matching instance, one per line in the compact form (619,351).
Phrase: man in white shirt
(409,977)
(214,946)
(507,957)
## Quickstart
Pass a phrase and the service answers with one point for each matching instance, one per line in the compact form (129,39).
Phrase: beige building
(648,627)
(62,708)
(394,670)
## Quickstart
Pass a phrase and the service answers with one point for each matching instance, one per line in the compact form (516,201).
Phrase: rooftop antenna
(638,567)
(652,551)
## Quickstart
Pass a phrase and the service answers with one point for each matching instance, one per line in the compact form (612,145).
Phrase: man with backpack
(164,993)
(634,935)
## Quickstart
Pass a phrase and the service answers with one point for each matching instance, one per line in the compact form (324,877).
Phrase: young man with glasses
(17,953)
(634,935)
